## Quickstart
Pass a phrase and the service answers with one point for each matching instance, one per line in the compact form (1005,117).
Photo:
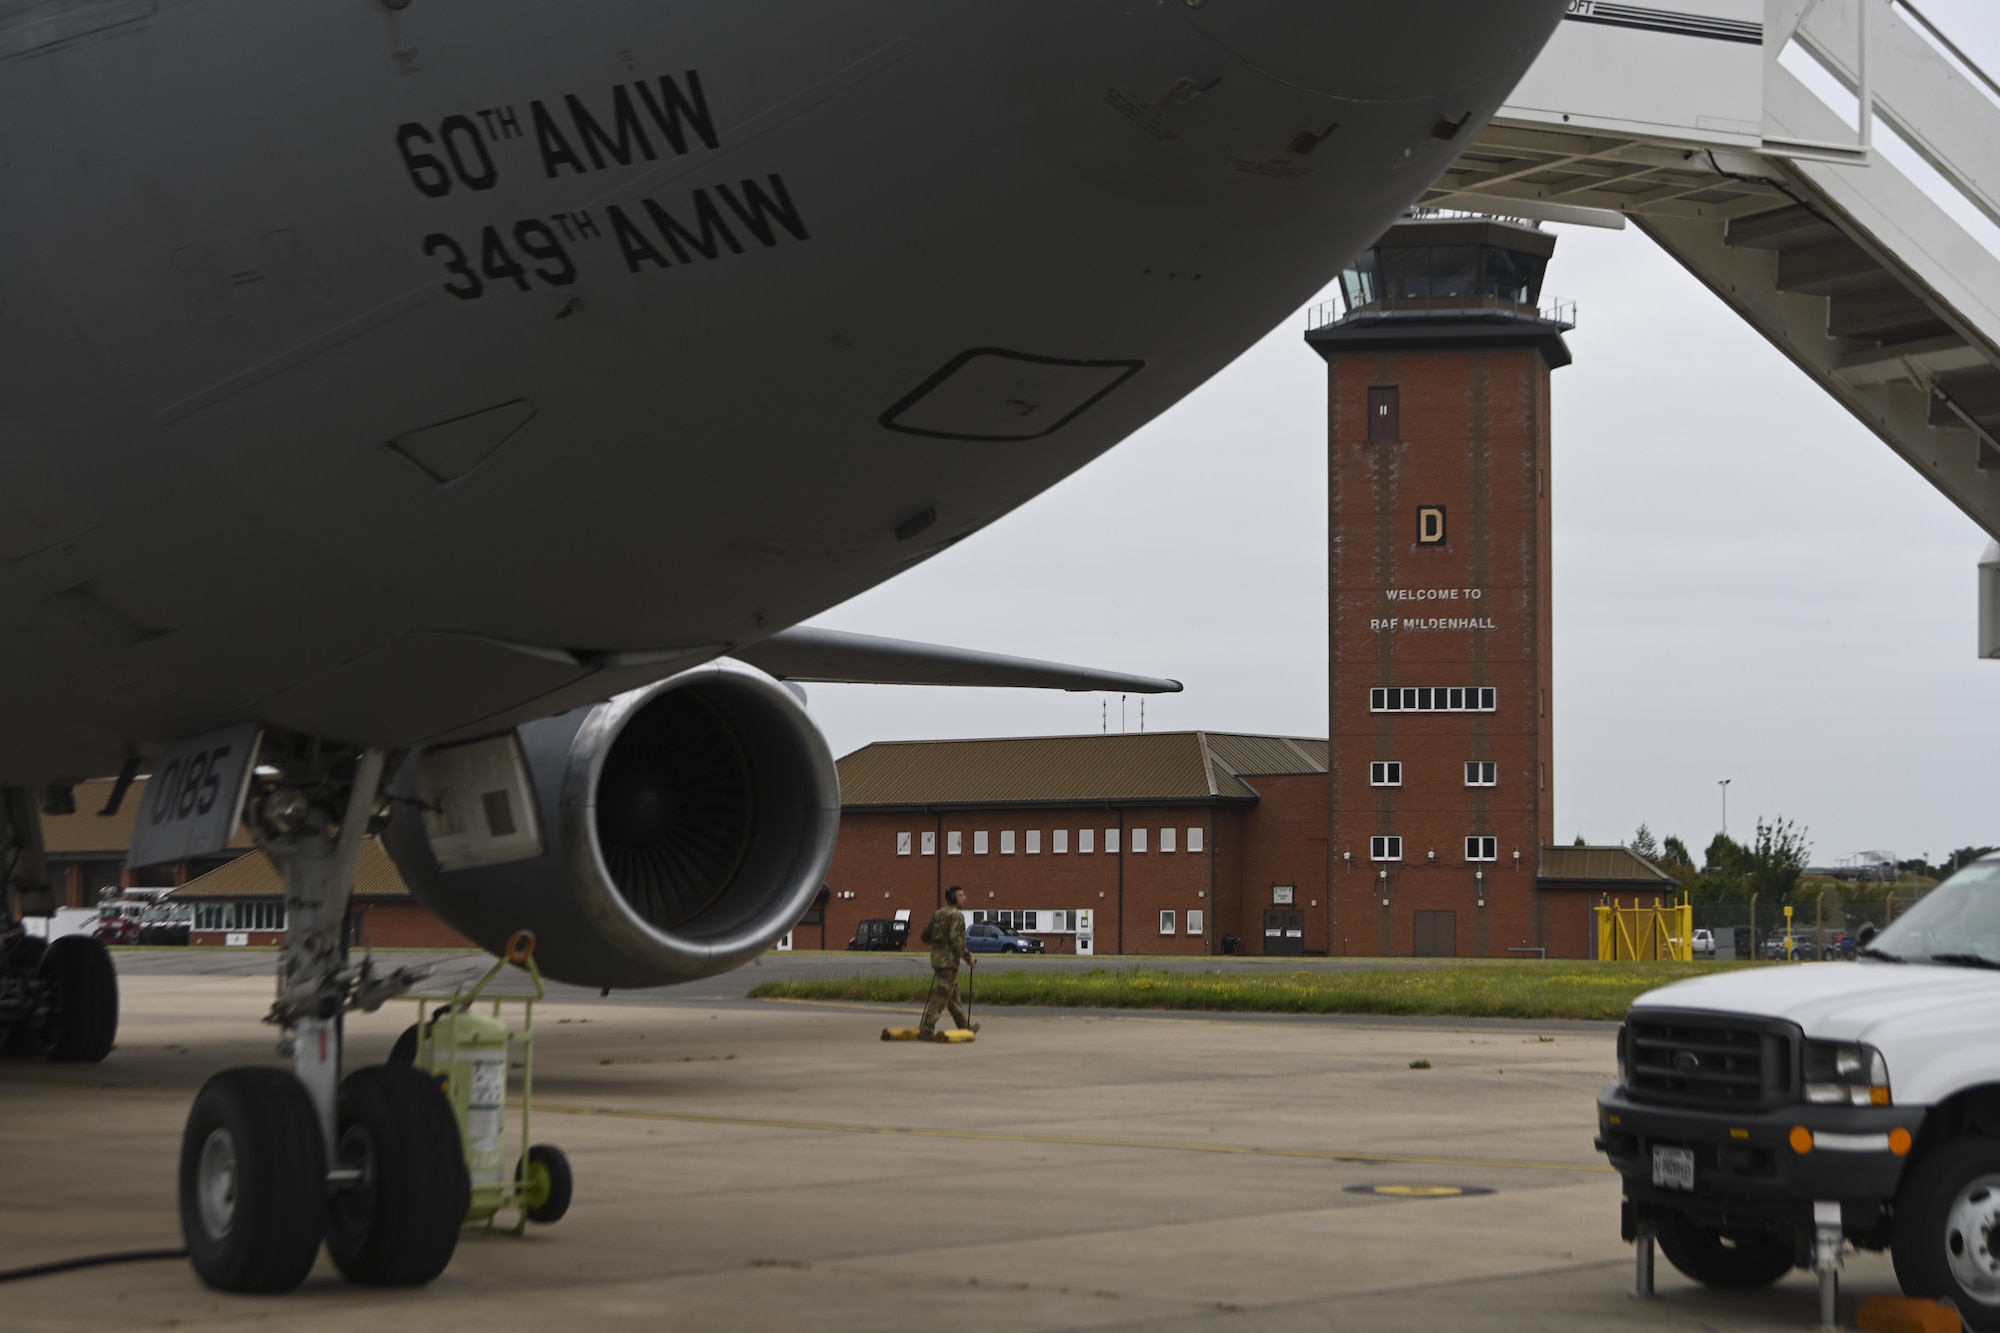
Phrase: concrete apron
(751,1166)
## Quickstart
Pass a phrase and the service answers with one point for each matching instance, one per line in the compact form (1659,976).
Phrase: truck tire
(79,974)
(1946,1241)
(1715,1259)
(399,1226)
(252,1181)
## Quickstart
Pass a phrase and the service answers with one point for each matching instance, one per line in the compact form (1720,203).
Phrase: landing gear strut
(274,1163)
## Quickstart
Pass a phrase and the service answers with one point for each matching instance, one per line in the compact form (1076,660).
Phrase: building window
(1111,842)
(1482,849)
(268,914)
(1385,416)
(1034,847)
(1006,842)
(930,844)
(1166,840)
(954,843)
(1385,773)
(1059,840)
(902,844)
(1138,841)
(1433,699)
(1482,773)
(1194,921)
(1194,839)
(1167,922)
(979,842)
(1085,838)
(1385,847)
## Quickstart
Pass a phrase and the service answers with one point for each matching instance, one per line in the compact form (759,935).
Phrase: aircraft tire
(545,1172)
(34,1033)
(399,1227)
(252,1181)
(80,974)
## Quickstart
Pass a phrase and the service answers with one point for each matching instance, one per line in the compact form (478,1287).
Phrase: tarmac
(764,1165)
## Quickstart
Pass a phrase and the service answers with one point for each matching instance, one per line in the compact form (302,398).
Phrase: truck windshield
(1956,922)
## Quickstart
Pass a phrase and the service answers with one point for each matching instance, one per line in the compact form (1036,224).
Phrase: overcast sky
(1748,584)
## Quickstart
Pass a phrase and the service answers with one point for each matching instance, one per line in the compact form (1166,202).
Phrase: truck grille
(1710,1060)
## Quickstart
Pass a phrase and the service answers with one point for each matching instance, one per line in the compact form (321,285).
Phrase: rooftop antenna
(1121,715)
(1142,717)
(1104,716)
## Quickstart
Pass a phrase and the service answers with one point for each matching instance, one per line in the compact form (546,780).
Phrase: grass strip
(1526,989)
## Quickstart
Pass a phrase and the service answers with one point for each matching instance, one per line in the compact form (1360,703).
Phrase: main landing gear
(275,1163)
(58,1000)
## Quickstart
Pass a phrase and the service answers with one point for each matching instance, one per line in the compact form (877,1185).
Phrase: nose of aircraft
(1378,50)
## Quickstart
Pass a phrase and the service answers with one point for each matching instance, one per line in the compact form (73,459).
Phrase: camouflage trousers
(944,995)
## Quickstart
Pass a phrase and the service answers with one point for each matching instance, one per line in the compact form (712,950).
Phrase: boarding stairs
(1829,168)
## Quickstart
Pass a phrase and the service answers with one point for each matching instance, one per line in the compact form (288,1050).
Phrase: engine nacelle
(686,827)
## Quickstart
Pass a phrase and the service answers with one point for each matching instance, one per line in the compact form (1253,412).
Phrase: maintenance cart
(468,1054)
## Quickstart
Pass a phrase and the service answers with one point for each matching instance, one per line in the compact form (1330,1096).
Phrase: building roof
(87,832)
(254,876)
(1603,865)
(1185,767)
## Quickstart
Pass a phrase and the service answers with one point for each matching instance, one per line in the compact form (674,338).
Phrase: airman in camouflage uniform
(945,933)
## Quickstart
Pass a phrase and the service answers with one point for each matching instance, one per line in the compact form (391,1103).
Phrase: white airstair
(1829,168)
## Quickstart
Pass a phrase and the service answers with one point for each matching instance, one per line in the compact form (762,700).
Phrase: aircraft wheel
(34,1032)
(398,1226)
(83,989)
(546,1183)
(253,1181)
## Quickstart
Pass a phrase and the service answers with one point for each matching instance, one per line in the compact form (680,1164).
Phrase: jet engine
(669,833)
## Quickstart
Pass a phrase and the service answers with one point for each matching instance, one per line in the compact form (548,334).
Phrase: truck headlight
(1843,1073)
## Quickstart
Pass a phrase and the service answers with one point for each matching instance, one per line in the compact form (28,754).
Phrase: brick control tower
(1438,507)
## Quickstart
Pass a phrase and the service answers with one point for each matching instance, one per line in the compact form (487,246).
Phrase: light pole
(1724,784)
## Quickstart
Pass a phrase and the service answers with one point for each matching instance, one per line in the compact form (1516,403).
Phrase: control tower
(1439,564)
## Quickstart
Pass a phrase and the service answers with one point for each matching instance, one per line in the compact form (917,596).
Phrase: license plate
(1673,1168)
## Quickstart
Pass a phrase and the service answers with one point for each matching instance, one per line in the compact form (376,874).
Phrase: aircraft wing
(832,656)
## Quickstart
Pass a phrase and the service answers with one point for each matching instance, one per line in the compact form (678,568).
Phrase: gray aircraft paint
(257,461)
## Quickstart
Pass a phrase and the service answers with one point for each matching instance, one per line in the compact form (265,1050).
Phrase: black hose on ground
(89,1261)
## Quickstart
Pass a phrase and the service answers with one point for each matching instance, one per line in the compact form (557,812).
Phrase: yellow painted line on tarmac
(1080,1141)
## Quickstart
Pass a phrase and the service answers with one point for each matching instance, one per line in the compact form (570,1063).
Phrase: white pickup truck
(1756,1110)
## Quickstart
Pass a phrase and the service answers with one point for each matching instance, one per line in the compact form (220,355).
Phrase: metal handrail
(1937,35)
(1554,311)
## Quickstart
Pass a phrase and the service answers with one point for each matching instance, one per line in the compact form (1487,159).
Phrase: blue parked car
(985,937)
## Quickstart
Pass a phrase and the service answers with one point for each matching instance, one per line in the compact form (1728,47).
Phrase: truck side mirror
(1865,934)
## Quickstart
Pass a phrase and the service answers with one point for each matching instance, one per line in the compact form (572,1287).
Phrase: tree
(1773,865)
(1725,857)
(1580,842)
(1674,852)
(1644,845)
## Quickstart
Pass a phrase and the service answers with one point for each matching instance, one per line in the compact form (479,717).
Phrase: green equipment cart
(469,1054)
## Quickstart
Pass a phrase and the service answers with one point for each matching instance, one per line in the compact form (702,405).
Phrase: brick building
(1439,574)
(238,898)
(1172,842)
